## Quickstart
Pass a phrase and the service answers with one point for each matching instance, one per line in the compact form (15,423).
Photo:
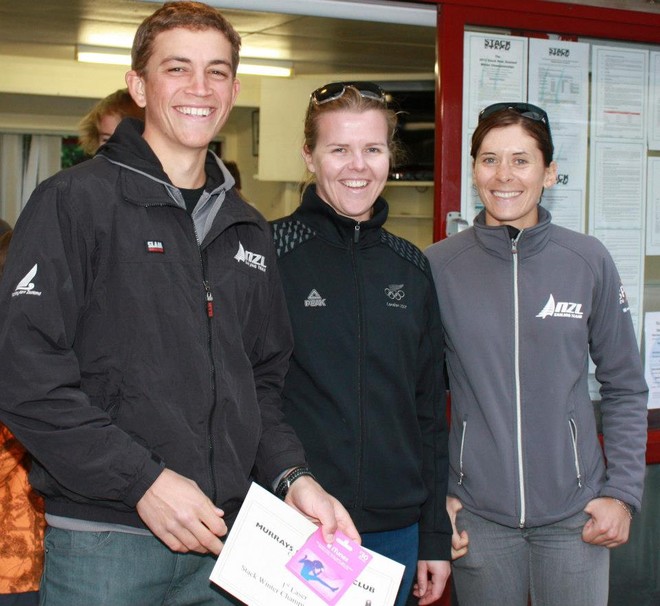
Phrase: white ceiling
(51,28)
(316,45)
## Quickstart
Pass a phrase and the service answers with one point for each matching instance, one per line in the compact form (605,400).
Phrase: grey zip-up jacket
(520,320)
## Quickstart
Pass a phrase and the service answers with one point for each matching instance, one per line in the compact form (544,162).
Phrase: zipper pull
(209,300)
(514,243)
(356,233)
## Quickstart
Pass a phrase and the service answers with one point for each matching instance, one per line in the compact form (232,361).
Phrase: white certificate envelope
(265,536)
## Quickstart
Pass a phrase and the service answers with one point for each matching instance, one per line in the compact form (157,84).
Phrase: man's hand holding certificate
(275,556)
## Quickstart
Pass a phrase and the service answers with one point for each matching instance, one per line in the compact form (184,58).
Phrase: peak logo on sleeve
(250,259)
(26,285)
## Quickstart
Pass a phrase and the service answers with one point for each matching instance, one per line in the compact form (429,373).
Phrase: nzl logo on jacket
(155,246)
(314,299)
(395,293)
(560,309)
(250,259)
(26,285)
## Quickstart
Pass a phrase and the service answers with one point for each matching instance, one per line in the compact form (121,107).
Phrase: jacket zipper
(358,487)
(461,475)
(516,324)
(209,299)
(572,425)
(210,312)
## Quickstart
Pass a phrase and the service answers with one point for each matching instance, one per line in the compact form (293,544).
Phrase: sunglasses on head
(526,110)
(335,90)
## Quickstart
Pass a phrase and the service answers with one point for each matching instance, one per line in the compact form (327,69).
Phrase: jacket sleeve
(279,448)
(435,526)
(624,393)
(43,293)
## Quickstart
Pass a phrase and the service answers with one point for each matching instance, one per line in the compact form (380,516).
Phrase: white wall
(271,179)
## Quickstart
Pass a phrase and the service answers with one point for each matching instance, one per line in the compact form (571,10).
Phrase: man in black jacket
(144,338)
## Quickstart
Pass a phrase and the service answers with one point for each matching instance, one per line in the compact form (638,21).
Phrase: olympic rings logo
(394,292)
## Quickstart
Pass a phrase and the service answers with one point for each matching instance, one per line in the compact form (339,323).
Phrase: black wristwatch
(289,478)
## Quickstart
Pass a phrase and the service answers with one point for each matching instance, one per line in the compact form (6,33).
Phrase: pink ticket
(329,569)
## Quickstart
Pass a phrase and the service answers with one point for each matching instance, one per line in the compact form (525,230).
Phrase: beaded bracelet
(285,483)
(626,507)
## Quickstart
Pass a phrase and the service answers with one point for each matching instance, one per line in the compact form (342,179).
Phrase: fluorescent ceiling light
(103,54)
(122,56)
(265,67)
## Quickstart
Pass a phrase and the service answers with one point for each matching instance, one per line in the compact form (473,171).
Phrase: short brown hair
(120,103)
(188,15)
(507,117)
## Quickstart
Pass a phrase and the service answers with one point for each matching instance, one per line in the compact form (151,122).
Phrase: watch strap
(289,478)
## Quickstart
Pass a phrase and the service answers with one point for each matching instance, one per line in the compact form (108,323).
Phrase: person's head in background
(232,167)
(4,226)
(98,125)
(5,238)
(349,145)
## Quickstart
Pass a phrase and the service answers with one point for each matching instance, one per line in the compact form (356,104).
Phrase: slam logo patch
(155,246)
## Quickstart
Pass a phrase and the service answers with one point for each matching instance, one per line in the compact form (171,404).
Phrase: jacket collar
(127,148)
(325,221)
(496,239)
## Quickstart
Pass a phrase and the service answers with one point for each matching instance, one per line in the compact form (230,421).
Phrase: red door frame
(525,17)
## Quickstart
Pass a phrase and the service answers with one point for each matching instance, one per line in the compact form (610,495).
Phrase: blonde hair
(120,103)
(5,238)
(352,101)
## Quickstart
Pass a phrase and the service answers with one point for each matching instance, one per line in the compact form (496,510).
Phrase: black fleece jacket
(365,391)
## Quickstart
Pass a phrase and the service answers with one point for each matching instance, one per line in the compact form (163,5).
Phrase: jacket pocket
(573,429)
(461,474)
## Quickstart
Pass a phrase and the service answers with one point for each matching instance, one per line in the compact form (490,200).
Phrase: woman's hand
(609,525)
(459,541)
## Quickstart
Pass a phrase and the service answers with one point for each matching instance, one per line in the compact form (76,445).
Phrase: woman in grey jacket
(524,303)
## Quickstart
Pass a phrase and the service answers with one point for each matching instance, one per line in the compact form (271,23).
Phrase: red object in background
(445,600)
(532,18)
(653,443)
